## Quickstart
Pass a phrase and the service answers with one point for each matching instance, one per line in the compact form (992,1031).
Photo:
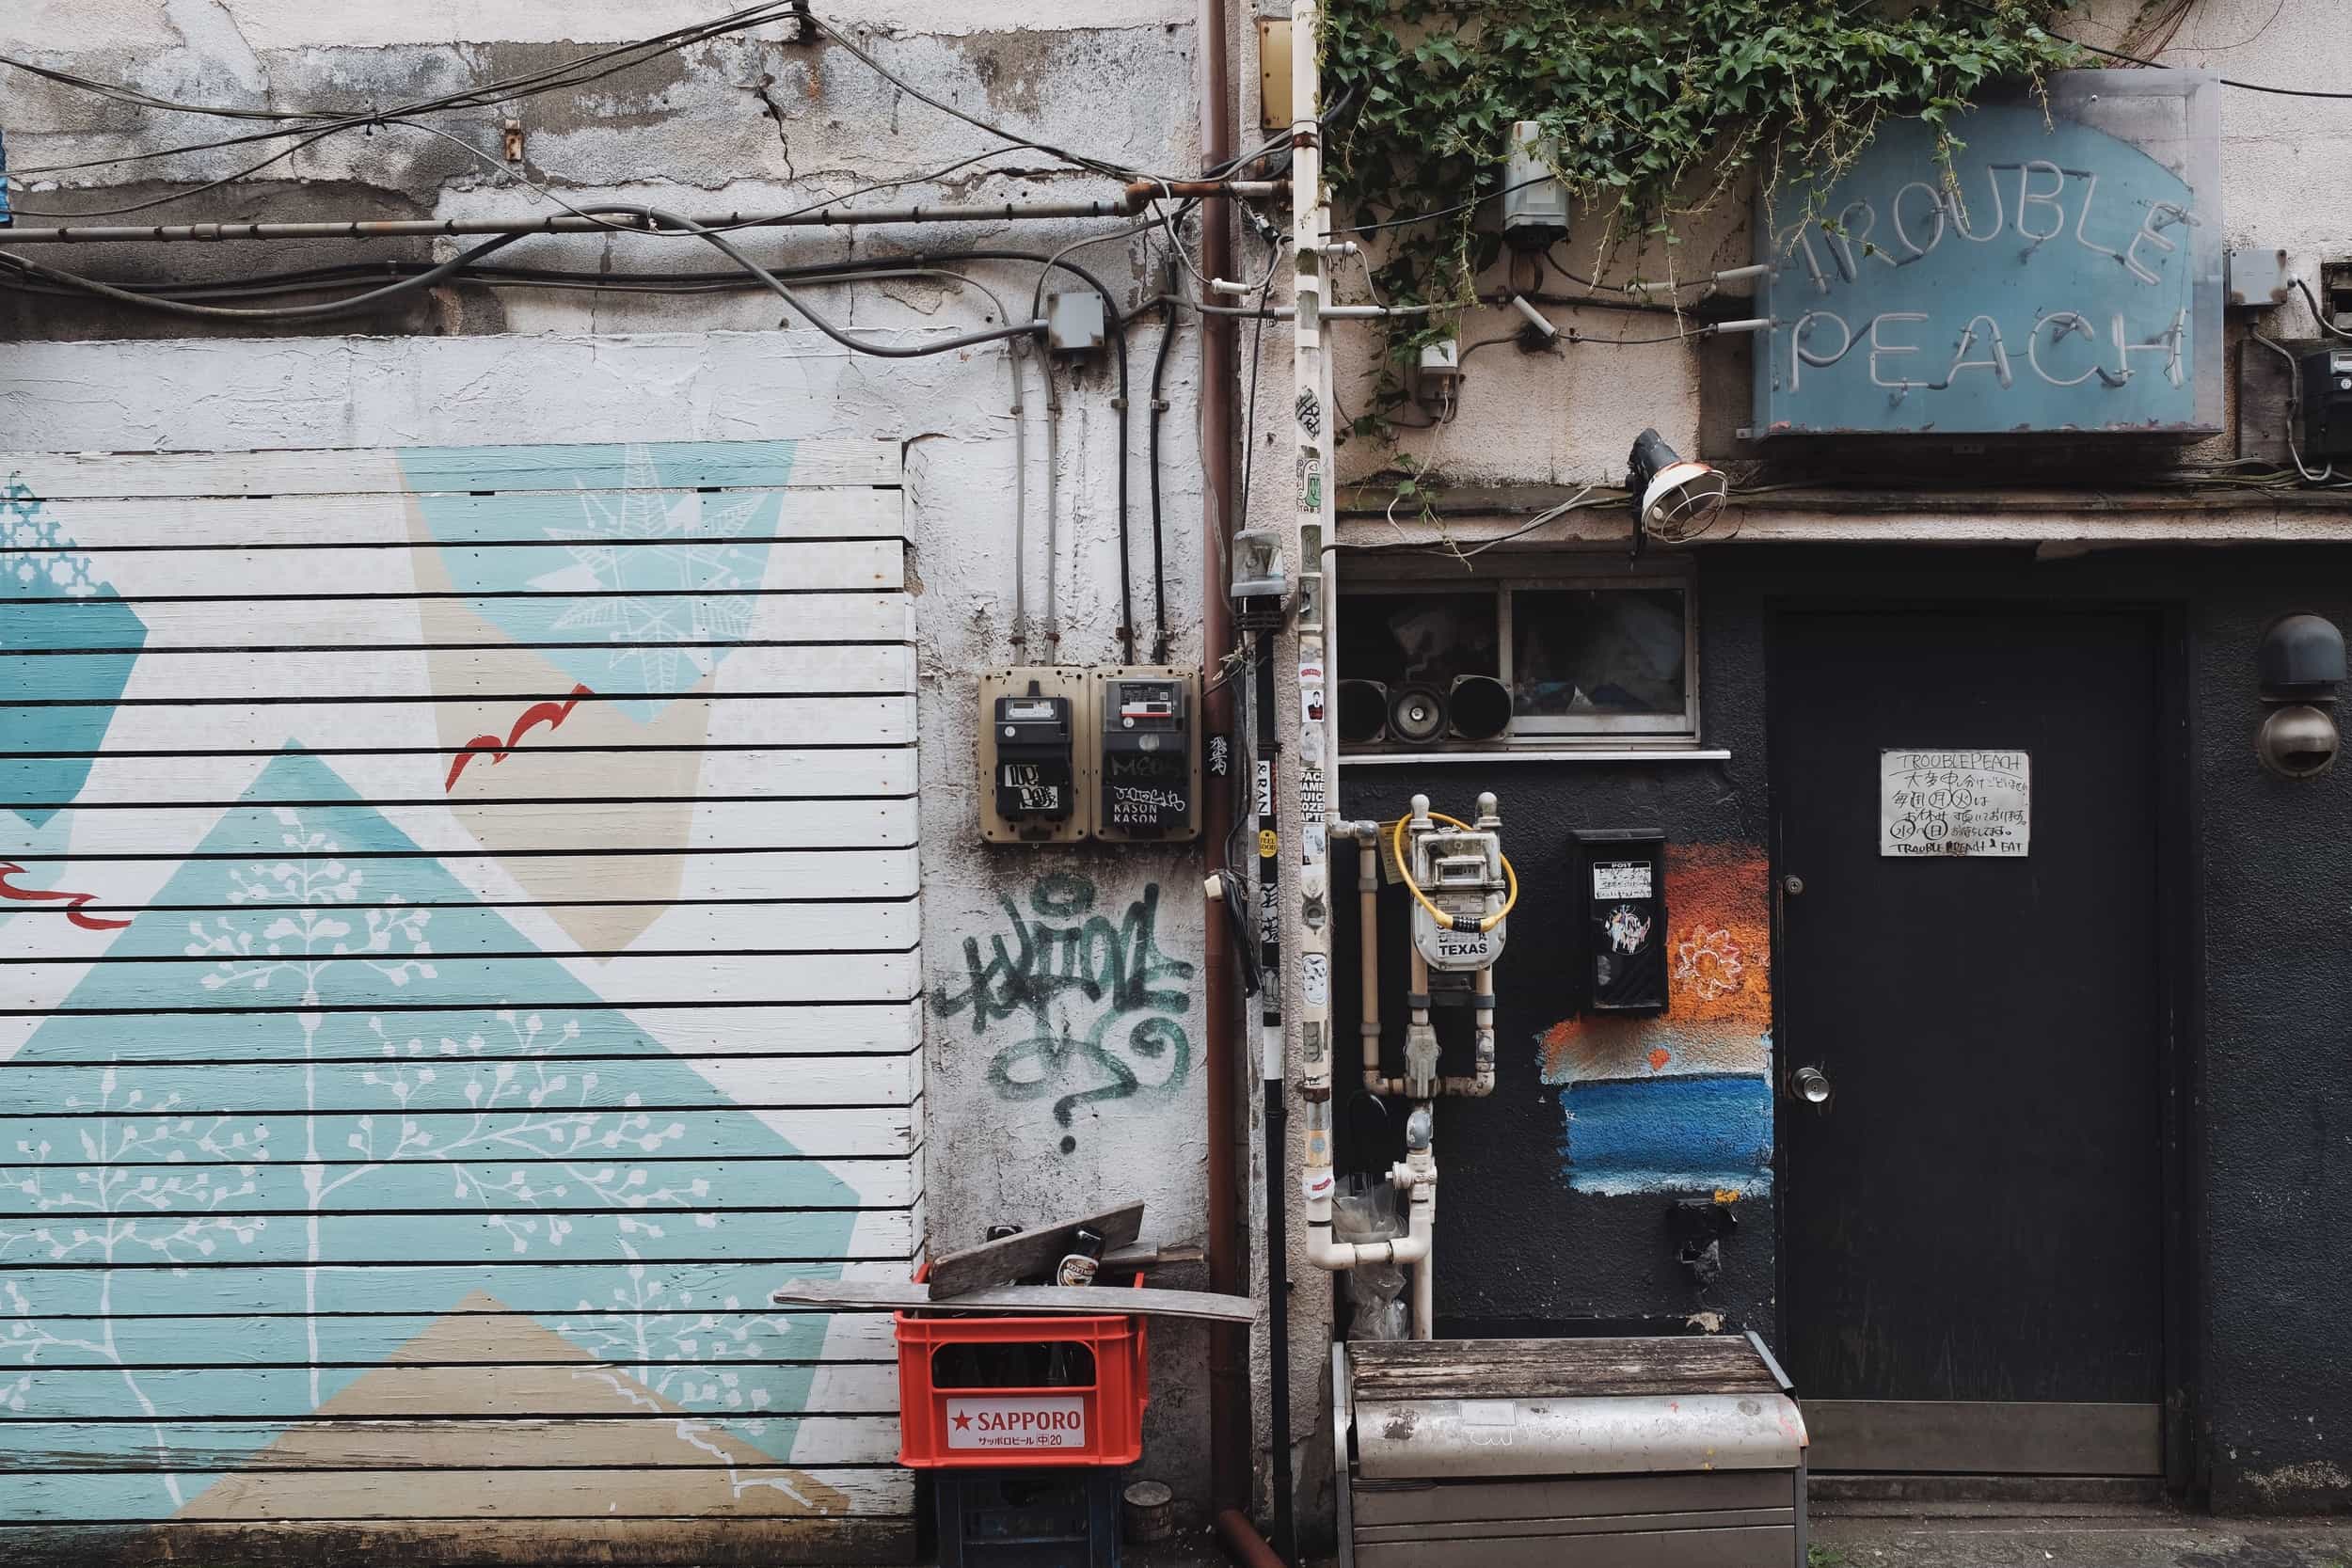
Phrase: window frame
(1560,733)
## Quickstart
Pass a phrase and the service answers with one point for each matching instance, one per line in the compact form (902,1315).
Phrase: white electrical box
(1535,207)
(1075,322)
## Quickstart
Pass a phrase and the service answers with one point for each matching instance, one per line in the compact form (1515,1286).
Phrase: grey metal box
(1568,1453)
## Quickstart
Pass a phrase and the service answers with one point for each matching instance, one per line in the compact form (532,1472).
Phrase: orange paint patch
(1658,1057)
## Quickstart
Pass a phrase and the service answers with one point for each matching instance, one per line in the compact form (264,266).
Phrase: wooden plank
(1986,1437)
(564,1290)
(523,827)
(1032,1252)
(331,572)
(842,1029)
(415,1446)
(551,520)
(126,783)
(512,1494)
(503,1338)
(588,878)
(886,1132)
(402,1390)
(256,729)
(647,1083)
(185,984)
(393,622)
(757,465)
(1535,1368)
(505,675)
(1016,1299)
(582,1542)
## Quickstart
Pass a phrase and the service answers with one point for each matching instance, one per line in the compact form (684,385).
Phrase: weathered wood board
(1016,1299)
(1029,1253)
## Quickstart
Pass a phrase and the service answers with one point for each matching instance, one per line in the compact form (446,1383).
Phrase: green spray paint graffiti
(1101,1004)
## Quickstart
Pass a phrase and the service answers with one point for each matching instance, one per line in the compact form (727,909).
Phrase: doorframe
(2180,1002)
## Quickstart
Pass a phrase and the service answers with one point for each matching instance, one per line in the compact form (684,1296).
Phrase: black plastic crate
(1063,1517)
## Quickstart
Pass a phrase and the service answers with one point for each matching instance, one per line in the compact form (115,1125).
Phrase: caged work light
(1676,499)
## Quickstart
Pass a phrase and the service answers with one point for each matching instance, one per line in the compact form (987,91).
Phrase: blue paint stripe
(1669,1132)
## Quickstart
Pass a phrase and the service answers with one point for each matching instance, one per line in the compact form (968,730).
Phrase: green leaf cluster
(1656,109)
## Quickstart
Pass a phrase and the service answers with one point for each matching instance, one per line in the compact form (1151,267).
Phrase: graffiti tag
(1103,1005)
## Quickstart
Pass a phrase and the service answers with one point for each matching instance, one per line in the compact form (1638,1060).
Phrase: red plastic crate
(949,1421)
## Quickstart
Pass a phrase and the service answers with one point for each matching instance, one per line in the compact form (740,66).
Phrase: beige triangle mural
(469,1364)
(659,773)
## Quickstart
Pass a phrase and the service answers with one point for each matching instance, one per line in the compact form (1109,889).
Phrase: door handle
(1812,1085)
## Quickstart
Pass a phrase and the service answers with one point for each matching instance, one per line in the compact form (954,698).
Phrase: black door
(1974,1214)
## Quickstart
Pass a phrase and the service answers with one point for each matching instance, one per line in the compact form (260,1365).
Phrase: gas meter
(1458,922)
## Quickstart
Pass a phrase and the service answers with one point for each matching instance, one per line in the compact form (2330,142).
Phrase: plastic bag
(1365,1209)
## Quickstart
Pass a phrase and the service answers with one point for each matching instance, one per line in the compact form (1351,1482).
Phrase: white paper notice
(1955,802)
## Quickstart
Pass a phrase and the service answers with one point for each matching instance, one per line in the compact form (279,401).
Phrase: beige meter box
(1037,753)
(1146,742)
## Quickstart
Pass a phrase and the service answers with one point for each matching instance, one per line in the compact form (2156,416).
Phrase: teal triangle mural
(410,1157)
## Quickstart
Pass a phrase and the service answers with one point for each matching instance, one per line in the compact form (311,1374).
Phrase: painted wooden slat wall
(459,950)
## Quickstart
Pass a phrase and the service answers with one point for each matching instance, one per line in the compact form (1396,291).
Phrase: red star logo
(962,1421)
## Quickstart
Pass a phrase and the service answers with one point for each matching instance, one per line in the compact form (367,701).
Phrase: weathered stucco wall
(1043,1097)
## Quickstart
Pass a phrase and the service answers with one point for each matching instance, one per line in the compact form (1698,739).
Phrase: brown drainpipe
(1228,1345)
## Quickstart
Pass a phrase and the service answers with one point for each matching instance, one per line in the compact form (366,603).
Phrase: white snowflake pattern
(36,557)
(667,602)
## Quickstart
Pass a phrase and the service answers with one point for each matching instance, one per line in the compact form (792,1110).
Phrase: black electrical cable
(1159,571)
(284,312)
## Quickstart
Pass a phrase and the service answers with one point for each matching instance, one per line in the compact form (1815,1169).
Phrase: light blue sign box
(2065,274)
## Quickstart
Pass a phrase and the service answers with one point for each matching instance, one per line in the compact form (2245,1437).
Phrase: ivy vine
(1655,110)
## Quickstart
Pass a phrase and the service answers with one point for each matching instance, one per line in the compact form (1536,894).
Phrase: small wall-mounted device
(2300,667)
(1437,377)
(2327,376)
(1035,765)
(1149,763)
(1621,898)
(1258,590)
(1073,322)
(1535,208)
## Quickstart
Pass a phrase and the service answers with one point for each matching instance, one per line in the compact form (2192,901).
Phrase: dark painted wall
(2265,1027)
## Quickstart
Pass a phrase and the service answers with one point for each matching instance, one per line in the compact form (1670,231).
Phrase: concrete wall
(1027,1118)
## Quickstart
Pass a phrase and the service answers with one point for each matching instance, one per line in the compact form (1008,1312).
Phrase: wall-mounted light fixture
(2301,665)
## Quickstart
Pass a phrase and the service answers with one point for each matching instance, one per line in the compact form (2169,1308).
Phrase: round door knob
(1812,1087)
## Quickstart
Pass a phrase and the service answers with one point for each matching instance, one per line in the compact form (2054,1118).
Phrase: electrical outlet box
(2327,377)
(1535,208)
(1147,727)
(1073,322)
(1036,755)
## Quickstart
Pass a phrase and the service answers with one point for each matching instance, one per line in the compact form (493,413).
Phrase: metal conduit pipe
(1125,205)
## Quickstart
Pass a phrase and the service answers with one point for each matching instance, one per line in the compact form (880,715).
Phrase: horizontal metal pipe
(556,223)
(1125,205)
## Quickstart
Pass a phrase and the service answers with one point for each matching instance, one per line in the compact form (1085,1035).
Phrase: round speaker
(1363,712)
(1481,707)
(1416,715)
